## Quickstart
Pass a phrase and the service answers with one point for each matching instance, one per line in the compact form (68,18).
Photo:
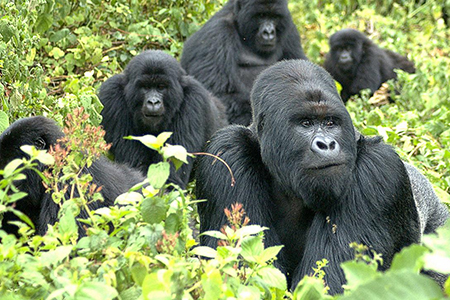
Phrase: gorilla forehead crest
(346,36)
(28,129)
(290,81)
(154,62)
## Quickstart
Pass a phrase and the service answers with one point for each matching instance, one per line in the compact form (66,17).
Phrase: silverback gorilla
(303,171)
(357,63)
(38,205)
(235,45)
(153,95)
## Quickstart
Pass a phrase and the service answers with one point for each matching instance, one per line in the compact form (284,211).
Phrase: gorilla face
(306,135)
(153,89)
(261,23)
(346,48)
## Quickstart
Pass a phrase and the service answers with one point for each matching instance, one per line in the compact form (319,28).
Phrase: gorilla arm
(238,147)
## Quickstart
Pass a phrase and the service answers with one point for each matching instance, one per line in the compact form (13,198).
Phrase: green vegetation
(54,54)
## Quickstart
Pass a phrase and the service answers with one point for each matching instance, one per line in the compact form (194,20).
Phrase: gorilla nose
(153,101)
(268,32)
(325,146)
(345,58)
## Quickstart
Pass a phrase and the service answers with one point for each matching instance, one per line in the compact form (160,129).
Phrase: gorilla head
(153,90)
(41,133)
(261,23)
(306,135)
(346,47)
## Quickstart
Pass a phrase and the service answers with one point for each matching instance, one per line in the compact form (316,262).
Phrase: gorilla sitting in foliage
(114,179)
(235,45)
(302,170)
(357,63)
(153,95)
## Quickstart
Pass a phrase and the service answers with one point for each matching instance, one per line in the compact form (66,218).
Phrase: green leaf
(131,198)
(11,167)
(44,22)
(248,293)
(399,285)
(251,248)
(45,158)
(216,234)
(17,196)
(204,251)
(138,272)
(439,243)
(162,138)
(4,121)
(269,253)
(250,230)
(152,287)
(95,290)
(273,277)
(154,210)
(357,273)
(54,257)
(172,223)
(410,258)
(310,288)
(175,151)
(212,285)
(56,53)
(151,141)
(158,174)
(67,223)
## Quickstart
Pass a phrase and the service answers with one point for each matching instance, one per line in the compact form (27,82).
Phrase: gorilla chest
(292,221)
(250,65)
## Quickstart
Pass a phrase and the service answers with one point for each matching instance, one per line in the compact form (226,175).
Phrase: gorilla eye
(161,86)
(330,123)
(306,123)
(39,143)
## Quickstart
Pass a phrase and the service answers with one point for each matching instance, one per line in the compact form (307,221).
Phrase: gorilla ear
(39,143)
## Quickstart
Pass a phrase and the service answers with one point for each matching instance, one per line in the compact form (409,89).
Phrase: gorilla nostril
(321,145)
(332,145)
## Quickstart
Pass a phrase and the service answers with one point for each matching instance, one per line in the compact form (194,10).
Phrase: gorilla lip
(326,166)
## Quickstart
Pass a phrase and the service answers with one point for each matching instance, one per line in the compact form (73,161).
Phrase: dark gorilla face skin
(346,48)
(264,26)
(153,82)
(312,152)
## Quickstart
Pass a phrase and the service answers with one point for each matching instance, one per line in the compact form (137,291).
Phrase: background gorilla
(235,45)
(301,171)
(39,206)
(154,94)
(357,63)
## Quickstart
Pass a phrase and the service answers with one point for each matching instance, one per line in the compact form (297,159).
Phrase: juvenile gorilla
(38,205)
(357,63)
(302,171)
(153,95)
(235,45)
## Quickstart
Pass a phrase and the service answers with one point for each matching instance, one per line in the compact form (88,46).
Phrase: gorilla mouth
(326,166)
(153,115)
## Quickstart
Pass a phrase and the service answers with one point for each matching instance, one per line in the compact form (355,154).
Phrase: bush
(54,54)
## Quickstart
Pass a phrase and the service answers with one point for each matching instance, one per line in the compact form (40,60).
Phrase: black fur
(228,52)
(115,179)
(357,63)
(181,105)
(302,171)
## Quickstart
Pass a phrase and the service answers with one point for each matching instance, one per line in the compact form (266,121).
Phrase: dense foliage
(54,54)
